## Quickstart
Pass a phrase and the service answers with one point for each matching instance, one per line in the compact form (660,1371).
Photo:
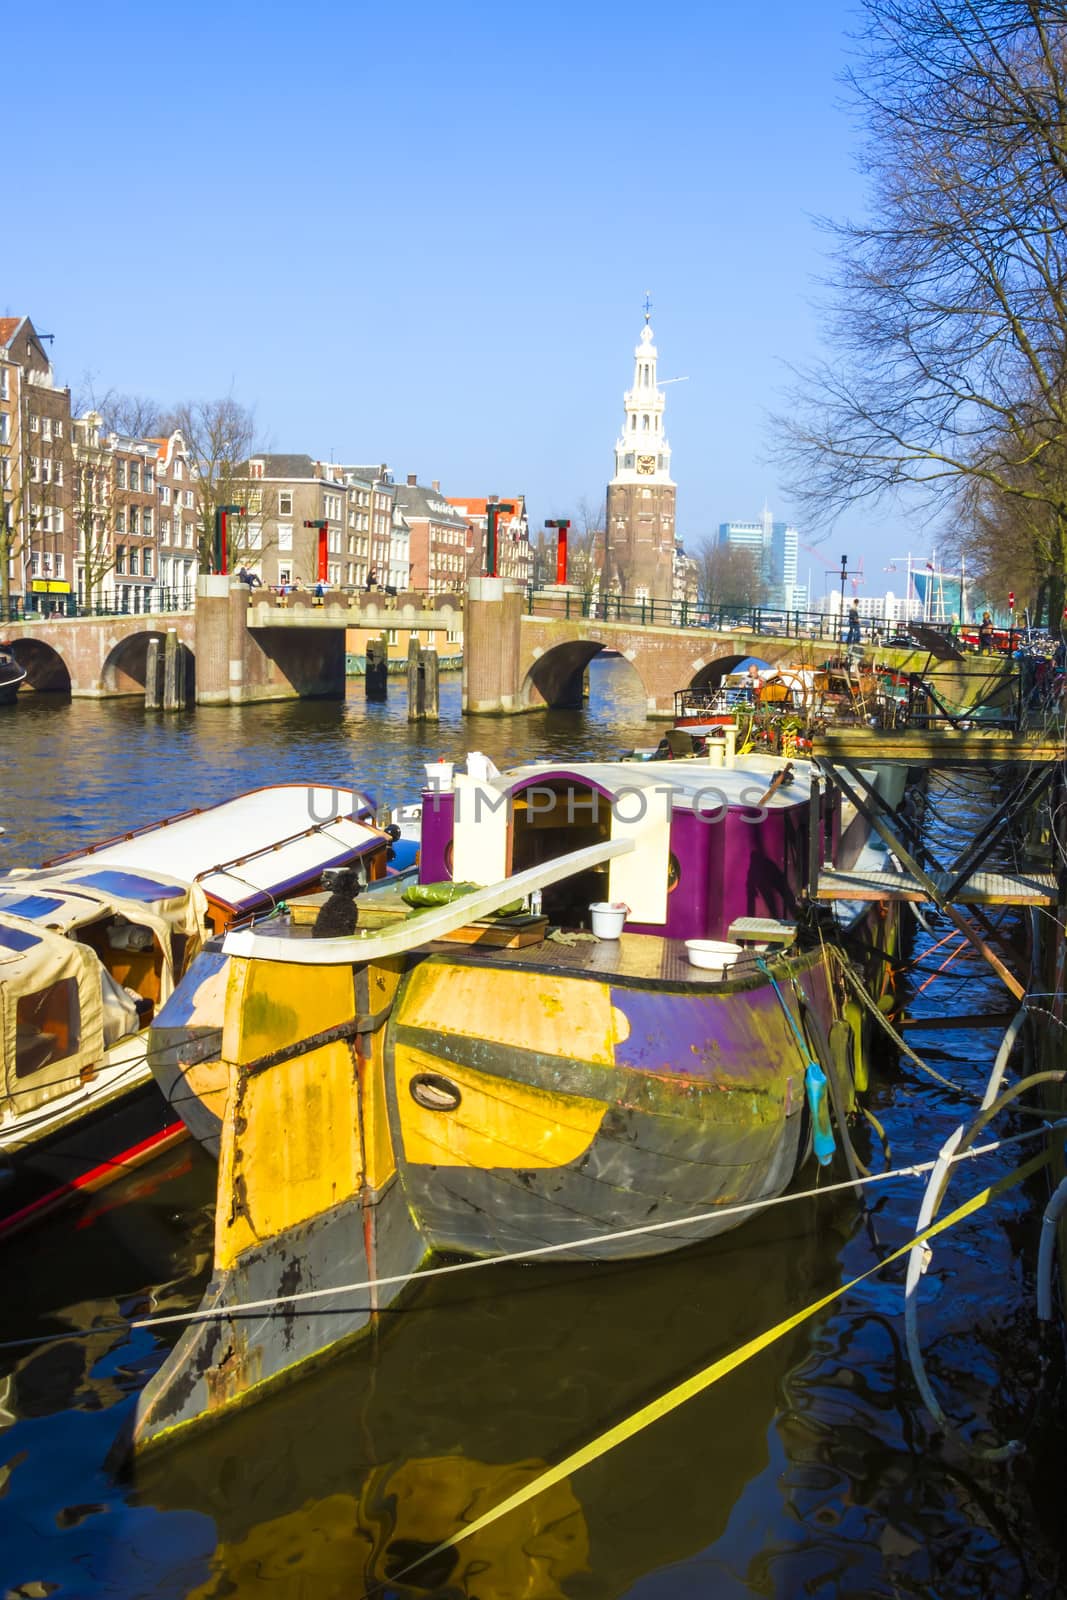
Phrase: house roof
(415,501)
(472,506)
(8,326)
(287,466)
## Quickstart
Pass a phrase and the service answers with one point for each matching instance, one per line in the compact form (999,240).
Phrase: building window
(146,565)
(164,527)
(120,474)
(135,477)
(133,561)
(57,473)
(135,526)
(5,424)
(120,521)
(35,469)
(147,478)
(146,520)
(5,391)
(285,502)
(177,470)
(633,423)
(120,557)
(46,427)
(59,427)
(35,423)
(187,499)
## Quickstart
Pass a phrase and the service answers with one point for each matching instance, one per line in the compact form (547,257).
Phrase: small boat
(488,1066)
(92,944)
(12,677)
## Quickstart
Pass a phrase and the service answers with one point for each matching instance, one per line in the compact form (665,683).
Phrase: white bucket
(439,774)
(607,917)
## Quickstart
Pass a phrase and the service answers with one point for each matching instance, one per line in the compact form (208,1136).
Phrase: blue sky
(422,234)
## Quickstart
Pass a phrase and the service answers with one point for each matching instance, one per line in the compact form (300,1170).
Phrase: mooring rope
(677,1396)
(270,1305)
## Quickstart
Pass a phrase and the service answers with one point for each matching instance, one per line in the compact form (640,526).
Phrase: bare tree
(948,312)
(135,415)
(728,575)
(221,436)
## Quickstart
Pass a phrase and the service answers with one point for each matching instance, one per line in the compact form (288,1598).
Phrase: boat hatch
(30,906)
(18,939)
(130,885)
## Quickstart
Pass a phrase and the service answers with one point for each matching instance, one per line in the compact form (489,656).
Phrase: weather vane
(648,305)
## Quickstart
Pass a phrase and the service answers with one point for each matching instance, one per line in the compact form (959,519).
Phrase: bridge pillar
(214,616)
(492,620)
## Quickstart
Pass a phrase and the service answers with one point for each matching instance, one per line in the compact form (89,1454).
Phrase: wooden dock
(979,889)
(944,747)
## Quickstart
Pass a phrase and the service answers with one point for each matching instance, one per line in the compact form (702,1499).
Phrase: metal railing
(772,621)
(138,600)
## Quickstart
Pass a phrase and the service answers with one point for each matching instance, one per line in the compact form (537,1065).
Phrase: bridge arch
(712,673)
(125,668)
(556,678)
(46,671)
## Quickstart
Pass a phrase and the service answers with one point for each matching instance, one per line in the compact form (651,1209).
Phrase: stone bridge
(238,646)
(515,662)
(241,647)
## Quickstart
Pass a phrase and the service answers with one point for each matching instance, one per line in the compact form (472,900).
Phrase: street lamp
(562,524)
(322,524)
(222,562)
(492,511)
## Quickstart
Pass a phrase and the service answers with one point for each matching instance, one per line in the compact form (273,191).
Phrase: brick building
(35,467)
(284,492)
(514,554)
(440,537)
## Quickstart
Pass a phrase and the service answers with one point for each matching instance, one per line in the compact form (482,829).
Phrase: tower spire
(648,305)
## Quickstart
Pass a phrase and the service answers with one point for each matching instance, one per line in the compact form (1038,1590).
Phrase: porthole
(674,873)
(434,1093)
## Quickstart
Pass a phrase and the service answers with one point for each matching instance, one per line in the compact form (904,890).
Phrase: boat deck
(637,957)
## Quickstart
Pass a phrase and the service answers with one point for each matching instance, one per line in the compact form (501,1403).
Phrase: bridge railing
(773,621)
(141,601)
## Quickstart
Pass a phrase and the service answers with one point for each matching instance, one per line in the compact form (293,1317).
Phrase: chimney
(436,485)
(411,480)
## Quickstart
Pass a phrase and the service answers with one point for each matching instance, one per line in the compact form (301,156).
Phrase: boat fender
(852,1013)
(822,1134)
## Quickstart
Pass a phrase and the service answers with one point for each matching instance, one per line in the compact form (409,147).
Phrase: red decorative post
(324,541)
(561,524)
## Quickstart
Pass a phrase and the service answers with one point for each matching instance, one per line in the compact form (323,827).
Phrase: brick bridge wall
(93,657)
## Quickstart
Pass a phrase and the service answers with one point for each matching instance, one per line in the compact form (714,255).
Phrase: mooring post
(152,674)
(430,702)
(415,681)
(173,672)
(376,673)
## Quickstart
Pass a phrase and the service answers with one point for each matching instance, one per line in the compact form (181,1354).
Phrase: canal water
(812,1469)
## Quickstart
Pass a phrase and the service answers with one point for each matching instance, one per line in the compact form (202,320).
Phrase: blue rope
(815,1085)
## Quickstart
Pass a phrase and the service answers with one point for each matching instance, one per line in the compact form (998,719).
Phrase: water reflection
(476,1383)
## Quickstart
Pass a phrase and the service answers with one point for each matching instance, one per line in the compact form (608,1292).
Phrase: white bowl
(713,954)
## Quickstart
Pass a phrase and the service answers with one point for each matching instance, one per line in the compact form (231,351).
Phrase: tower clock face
(646,464)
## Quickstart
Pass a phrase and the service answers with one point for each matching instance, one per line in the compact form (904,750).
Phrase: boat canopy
(289,833)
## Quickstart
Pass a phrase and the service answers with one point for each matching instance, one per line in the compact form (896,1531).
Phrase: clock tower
(639,535)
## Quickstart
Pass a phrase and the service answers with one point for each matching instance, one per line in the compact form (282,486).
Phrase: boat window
(17,939)
(29,905)
(47,1026)
(131,885)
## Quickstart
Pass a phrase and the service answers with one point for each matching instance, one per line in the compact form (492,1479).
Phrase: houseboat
(606,1015)
(93,944)
(12,677)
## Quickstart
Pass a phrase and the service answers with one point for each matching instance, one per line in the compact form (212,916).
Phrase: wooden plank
(980,889)
(952,747)
(428,925)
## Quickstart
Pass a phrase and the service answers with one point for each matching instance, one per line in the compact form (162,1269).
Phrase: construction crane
(856,574)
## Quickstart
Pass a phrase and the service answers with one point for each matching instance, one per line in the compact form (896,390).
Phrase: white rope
(221,1313)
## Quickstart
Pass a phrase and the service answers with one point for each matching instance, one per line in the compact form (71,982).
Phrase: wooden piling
(430,702)
(173,672)
(415,699)
(376,672)
(152,676)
